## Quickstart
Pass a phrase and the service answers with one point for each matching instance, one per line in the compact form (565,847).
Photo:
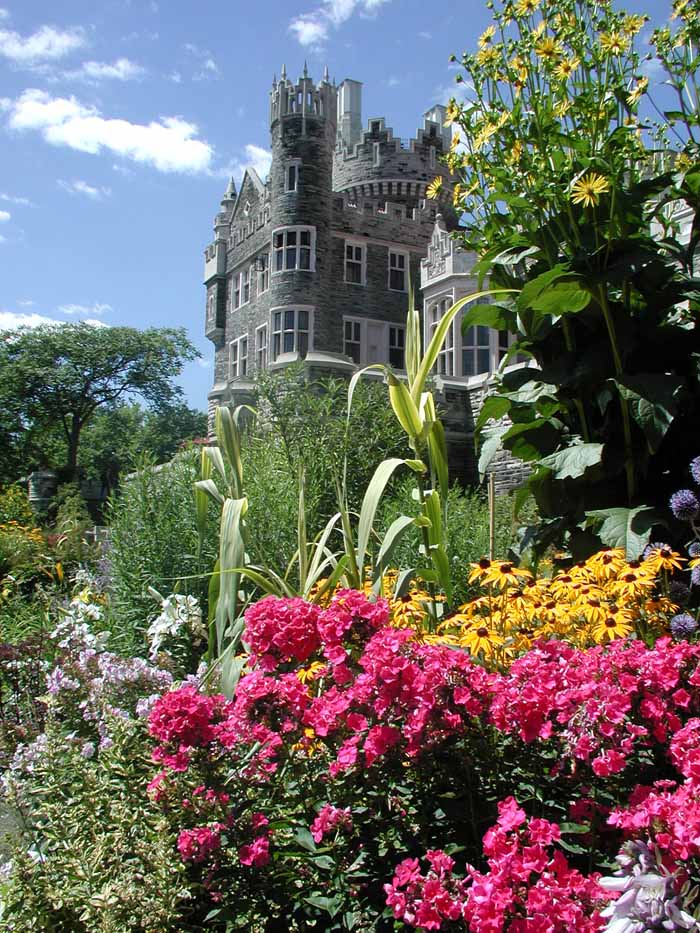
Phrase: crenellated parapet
(304,98)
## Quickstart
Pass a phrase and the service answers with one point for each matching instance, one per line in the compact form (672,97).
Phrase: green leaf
(374,492)
(565,296)
(493,409)
(653,404)
(304,838)
(488,315)
(573,461)
(438,456)
(392,537)
(625,528)
(231,556)
(208,488)
(404,408)
(491,445)
(531,440)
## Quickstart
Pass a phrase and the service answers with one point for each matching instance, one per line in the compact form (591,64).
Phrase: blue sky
(120,121)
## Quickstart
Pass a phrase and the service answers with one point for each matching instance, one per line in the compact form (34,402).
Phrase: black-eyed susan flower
(662,557)
(481,640)
(566,68)
(614,43)
(526,7)
(548,49)
(479,569)
(505,573)
(588,189)
(616,624)
(486,37)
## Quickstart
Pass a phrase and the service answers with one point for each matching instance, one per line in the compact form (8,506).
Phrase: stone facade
(315,262)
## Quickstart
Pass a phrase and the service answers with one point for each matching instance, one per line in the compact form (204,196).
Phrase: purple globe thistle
(683,625)
(694,549)
(684,505)
(695,576)
(653,547)
(695,469)
(678,592)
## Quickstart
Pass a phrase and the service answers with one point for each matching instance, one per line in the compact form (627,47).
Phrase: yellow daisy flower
(525,7)
(663,558)
(452,113)
(587,189)
(548,49)
(614,43)
(308,674)
(566,68)
(504,573)
(632,23)
(633,583)
(481,640)
(487,56)
(615,625)
(486,36)
(434,188)
(637,91)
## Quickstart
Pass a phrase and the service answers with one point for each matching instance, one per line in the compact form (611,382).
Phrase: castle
(315,263)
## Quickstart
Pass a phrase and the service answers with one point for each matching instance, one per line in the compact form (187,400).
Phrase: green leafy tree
(57,378)
(572,202)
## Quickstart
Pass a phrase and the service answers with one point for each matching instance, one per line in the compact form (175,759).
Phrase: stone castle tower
(315,262)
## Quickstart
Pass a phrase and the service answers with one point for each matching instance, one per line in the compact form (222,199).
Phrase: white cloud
(169,144)
(11,199)
(26,303)
(4,216)
(393,81)
(46,44)
(77,186)
(4,14)
(122,69)
(255,157)
(175,77)
(311,29)
(97,308)
(9,320)
(425,35)
(3,239)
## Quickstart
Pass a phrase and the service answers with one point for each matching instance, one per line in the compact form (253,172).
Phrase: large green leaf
(374,492)
(564,296)
(391,539)
(628,529)
(438,457)
(405,408)
(573,461)
(531,440)
(653,404)
(496,316)
(490,447)
(493,409)
(231,557)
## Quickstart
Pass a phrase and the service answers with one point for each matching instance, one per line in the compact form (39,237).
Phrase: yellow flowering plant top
(594,602)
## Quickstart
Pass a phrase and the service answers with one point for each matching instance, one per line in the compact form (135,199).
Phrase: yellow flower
(614,43)
(503,573)
(566,68)
(637,91)
(513,157)
(632,583)
(548,49)
(310,673)
(615,625)
(486,36)
(663,558)
(452,113)
(481,640)
(525,7)
(434,188)
(479,570)
(632,24)
(588,189)
(488,55)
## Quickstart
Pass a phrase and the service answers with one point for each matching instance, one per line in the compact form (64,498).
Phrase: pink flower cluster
(330,818)
(257,853)
(280,631)
(529,887)
(196,845)
(601,705)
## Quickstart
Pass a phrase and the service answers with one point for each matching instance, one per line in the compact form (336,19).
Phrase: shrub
(14,506)
(154,543)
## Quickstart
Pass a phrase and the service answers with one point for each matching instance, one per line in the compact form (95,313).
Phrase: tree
(59,377)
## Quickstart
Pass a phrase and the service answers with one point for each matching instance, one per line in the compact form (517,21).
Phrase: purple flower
(695,469)
(683,625)
(684,505)
(695,576)
(694,549)
(88,750)
(651,549)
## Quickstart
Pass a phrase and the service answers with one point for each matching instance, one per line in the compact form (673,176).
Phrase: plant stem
(624,406)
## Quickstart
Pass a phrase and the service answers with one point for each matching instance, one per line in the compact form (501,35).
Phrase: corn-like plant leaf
(320,547)
(438,457)
(413,349)
(386,551)
(431,352)
(404,408)
(376,487)
(302,543)
(231,557)
(403,582)
(418,466)
(433,512)
(212,455)
(332,581)
(206,488)
(441,563)
(229,439)
(201,500)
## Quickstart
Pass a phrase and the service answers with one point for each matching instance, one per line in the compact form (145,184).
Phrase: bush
(154,543)
(14,506)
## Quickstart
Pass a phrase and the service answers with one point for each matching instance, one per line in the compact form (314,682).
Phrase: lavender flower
(651,549)
(694,549)
(695,576)
(88,750)
(695,469)
(683,626)
(684,505)
(648,899)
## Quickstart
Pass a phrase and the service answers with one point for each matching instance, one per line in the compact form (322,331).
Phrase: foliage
(70,525)
(154,542)
(14,506)
(24,556)
(58,377)
(23,669)
(466,529)
(306,423)
(566,204)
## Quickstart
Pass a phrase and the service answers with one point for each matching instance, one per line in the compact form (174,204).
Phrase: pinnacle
(325,73)
(306,70)
(283,73)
